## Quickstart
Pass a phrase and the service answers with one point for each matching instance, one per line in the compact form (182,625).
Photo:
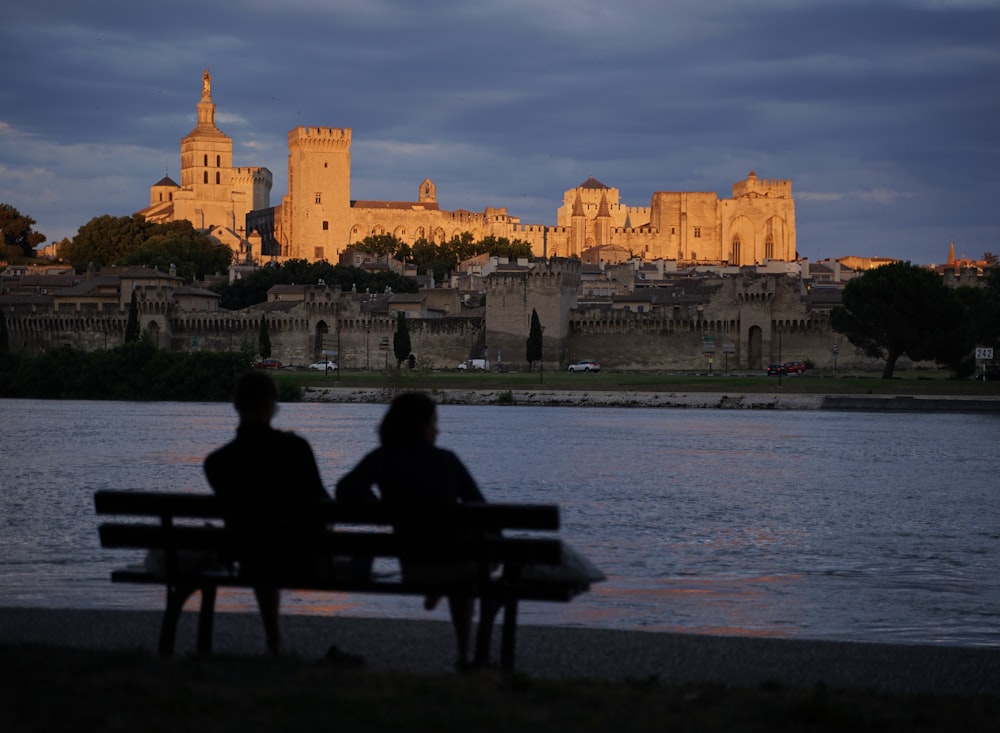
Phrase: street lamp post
(780,367)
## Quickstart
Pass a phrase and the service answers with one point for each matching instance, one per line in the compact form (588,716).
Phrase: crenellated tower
(550,288)
(316,212)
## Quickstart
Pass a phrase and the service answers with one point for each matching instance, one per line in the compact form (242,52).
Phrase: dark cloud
(884,115)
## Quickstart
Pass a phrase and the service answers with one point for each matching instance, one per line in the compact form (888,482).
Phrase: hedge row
(135,371)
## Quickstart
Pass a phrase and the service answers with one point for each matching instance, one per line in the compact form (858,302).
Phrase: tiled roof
(592,183)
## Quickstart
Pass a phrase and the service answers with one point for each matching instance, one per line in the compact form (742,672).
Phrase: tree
(264,339)
(401,340)
(253,288)
(193,254)
(106,240)
(16,229)
(533,348)
(4,336)
(132,327)
(899,309)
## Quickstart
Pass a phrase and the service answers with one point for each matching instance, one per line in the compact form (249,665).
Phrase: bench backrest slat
(207,506)
(374,544)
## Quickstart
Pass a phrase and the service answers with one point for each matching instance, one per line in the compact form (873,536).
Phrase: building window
(205,160)
(673,230)
(204,177)
(769,247)
(326,226)
(736,253)
(697,232)
(218,161)
(319,198)
(318,253)
(217,179)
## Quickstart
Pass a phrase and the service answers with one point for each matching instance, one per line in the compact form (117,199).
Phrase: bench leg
(176,597)
(488,609)
(508,641)
(205,619)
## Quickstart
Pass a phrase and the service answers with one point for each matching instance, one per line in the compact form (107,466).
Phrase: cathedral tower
(206,169)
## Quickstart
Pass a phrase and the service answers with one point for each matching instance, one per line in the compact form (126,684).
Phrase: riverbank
(546,652)
(646,398)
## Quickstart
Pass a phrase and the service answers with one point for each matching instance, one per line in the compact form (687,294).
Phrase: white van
(480,364)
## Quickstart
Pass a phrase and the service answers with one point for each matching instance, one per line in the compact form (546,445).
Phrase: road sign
(984,352)
(728,347)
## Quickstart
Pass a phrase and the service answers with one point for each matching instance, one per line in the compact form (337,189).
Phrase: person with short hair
(268,468)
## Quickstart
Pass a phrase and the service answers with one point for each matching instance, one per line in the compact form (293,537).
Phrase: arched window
(218,160)
(204,177)
(217,177)
(736,252)
(769,246)
(205,160)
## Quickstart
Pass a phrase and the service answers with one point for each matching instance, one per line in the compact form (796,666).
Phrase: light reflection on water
(796,524)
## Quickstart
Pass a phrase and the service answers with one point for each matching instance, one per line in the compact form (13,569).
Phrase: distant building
(317,219)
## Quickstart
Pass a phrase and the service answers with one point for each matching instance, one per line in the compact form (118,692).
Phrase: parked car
(324,366)
(794,367)
(587,365)
(480,364)
(267,364)
(778,369)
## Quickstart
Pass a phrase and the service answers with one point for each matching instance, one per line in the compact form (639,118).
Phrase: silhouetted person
(408,468)
(273,470)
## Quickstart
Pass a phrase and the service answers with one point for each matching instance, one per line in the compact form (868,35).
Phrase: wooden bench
(185,525)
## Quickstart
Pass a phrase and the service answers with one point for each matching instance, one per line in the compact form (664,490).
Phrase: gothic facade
(317,219)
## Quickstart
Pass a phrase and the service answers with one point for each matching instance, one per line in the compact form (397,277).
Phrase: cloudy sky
(885,114)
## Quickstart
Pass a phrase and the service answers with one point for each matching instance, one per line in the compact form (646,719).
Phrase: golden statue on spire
(206,84)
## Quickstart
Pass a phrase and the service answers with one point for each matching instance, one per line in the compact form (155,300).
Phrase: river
(797,524)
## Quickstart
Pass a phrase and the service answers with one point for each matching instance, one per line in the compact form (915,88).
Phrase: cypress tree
(533,348)
(264,339)
(132,327)
(401,340)
(4,337)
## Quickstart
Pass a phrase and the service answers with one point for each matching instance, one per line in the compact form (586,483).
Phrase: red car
(267,364)
(794,367)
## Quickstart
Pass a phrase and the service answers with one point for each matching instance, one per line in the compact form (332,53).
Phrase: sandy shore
(546,651)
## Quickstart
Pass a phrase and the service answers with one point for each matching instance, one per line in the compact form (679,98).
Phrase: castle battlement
(320,138)
(252,173)
(636,231)
(773,188)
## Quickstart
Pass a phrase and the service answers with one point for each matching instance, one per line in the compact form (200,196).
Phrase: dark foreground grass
(54,689)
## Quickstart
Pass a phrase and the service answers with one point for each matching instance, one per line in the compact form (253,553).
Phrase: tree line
(442,259)
(133,371)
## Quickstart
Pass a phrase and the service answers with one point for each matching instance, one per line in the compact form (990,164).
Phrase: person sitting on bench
(270,469)
(408,468)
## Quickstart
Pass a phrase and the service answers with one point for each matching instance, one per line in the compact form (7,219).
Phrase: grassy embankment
(51,690)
